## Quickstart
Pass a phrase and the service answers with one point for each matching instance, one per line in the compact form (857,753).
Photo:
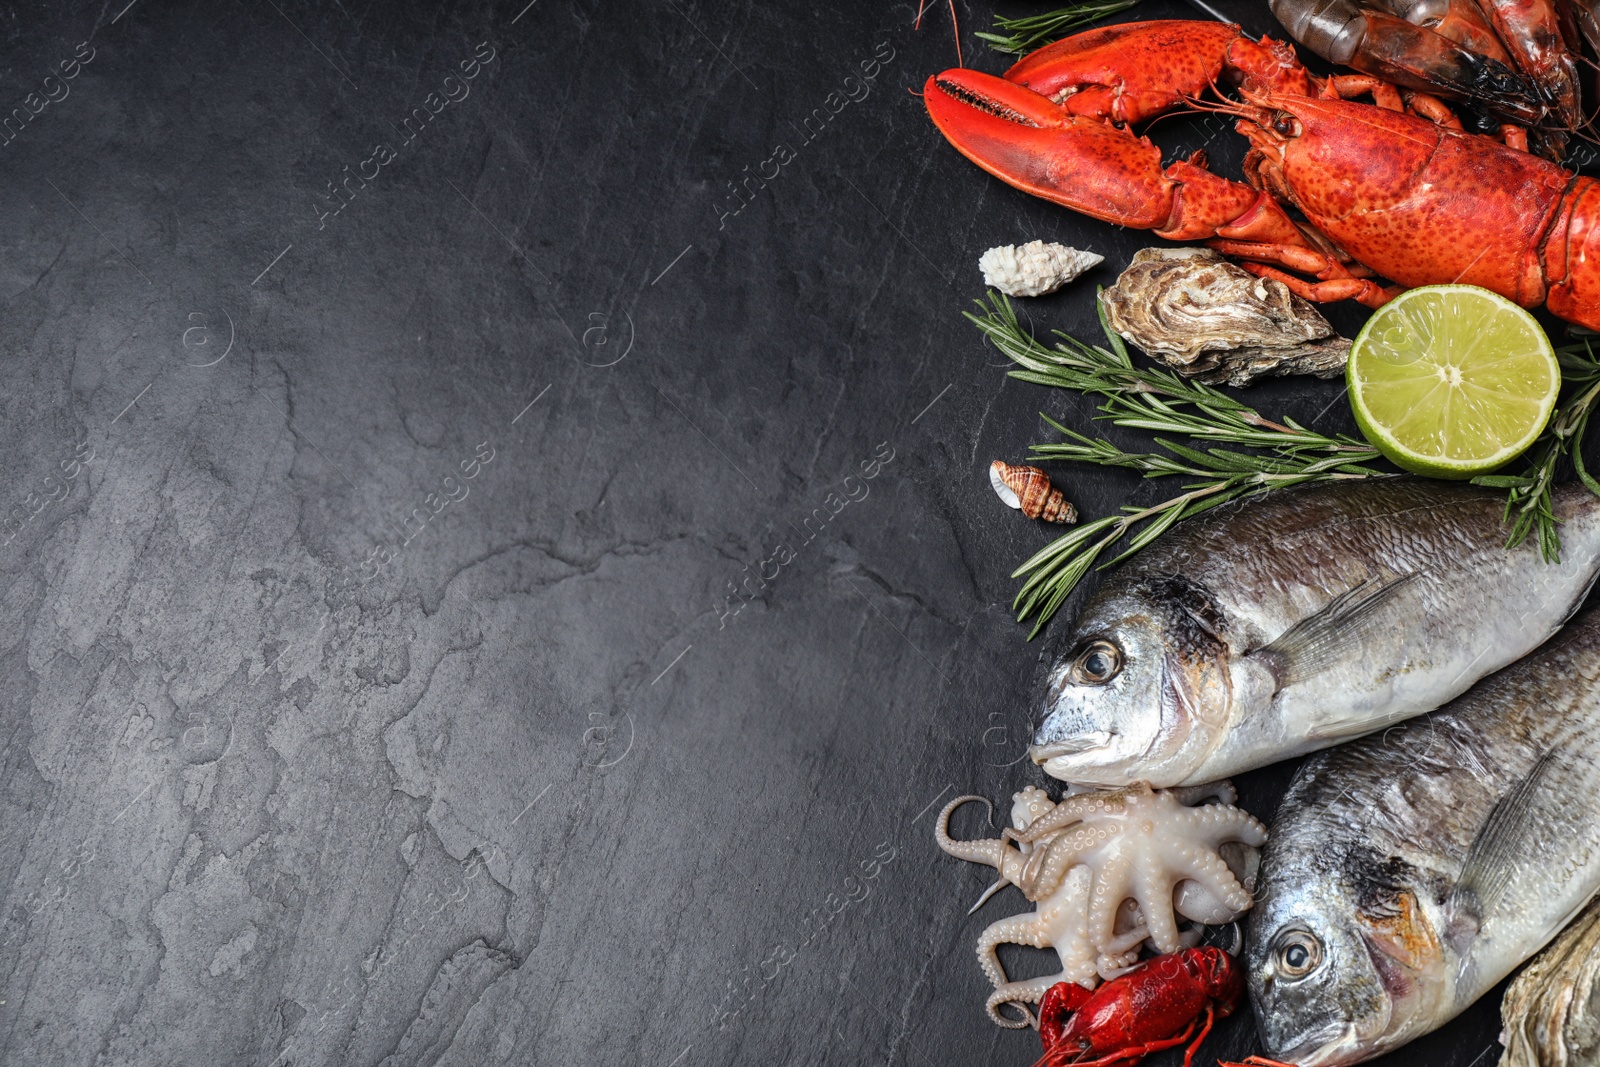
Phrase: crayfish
(1156,1005)
(1394,190)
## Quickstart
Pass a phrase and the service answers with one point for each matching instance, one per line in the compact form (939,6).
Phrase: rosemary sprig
(1021,35)
(1284,452)
(1528,505)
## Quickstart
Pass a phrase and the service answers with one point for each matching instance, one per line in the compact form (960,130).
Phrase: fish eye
(1285,125)
(1097,664)
(1298,954)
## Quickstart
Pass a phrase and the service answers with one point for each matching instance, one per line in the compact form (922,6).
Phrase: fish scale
(1288,622)
(1385,826)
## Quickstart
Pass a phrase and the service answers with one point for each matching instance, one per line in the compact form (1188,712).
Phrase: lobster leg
(1326,292)
(1126,1055)
(1200,1038)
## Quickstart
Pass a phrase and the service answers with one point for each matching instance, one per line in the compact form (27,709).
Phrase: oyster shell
(1208,319)
(1550,1016)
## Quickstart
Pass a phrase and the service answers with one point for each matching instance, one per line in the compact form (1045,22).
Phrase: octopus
(1110,872)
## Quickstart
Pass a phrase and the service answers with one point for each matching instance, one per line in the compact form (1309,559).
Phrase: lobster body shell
(1572,256)
(1421,204)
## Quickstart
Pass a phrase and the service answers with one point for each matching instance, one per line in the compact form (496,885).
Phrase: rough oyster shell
(1550,1016)
(1208,319)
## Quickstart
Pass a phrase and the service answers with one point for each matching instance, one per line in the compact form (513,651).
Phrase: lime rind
(1452,381)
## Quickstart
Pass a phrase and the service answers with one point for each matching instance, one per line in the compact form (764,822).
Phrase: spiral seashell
(1029,488)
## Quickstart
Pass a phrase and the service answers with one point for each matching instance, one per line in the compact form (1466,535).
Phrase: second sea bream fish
(1293,620)
(1410,871)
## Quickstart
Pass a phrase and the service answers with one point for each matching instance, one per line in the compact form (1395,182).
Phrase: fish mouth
(1061,759)
(1330,1045)
(1072,746)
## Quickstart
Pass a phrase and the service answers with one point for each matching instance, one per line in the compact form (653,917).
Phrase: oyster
(1208,319)
(1550,1016)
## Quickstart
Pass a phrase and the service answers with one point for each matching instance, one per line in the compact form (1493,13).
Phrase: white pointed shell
(1035,268)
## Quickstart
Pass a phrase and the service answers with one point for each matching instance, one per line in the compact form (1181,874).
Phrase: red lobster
(1395,190)
(1155,1006)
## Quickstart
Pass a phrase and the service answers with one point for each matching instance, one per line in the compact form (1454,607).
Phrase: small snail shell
(1029,488)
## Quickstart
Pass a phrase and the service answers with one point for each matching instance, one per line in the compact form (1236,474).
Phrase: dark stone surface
(530,792)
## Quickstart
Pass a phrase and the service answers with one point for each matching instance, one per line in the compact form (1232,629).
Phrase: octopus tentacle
(1217,878)
(1214,825)
(1122,952)
(1111,886)
(1051,858)
(991,851)
(981,850)
(1028,991)
(1071,810)
(1016,930)
(1153,890)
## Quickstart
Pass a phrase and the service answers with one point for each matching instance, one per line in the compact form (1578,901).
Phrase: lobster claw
(1036,145)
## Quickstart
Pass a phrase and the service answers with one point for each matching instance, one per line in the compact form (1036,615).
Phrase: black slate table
(505,568)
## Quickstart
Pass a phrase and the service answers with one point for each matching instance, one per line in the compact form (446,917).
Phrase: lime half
(1452,381)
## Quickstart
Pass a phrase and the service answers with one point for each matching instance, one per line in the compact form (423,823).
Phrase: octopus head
(1140,689)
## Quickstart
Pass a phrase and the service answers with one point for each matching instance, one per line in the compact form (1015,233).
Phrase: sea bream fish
(1410,871)
(1291,621)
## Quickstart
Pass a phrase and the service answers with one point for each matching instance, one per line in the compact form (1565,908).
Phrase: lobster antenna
(1210,12)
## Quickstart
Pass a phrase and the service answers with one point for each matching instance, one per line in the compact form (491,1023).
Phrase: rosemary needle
(1528,505)
(1280,453)
(1021,35)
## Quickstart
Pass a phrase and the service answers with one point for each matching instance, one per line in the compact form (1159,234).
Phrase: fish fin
(1495,851)
(1315,642)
